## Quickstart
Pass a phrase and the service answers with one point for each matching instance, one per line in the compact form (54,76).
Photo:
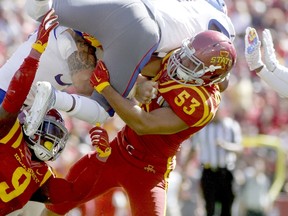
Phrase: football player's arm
(234,145)
(280,80)
(159,121)
(277,84)
(152,68)
(23,78)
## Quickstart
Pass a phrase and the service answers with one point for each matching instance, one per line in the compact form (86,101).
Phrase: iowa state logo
(224,60)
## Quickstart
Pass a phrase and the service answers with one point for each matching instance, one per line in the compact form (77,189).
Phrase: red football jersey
(195,105)
(20,177)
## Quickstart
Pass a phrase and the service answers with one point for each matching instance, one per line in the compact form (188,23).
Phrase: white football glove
(269,56)
(252,49)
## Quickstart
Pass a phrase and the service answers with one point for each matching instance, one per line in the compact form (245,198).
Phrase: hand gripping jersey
(53,66)
(195,105)
(20,177)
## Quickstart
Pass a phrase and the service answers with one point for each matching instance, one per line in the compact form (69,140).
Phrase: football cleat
(43,101)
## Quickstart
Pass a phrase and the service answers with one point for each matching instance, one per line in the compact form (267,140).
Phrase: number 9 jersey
(20,177)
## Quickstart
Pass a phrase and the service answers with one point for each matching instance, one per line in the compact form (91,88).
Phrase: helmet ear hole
(50,138)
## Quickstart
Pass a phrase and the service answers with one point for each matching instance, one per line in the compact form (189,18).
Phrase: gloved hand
(48,23)
(100,77)
(100,141)
(252,49)
(269,55)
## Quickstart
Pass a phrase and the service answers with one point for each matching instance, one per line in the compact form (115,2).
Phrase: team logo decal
(223,60)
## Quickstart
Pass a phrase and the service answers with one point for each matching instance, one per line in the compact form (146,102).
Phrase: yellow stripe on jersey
(203,94)
(47,176)
(167,56)
(18,141)
(207,115)
(11,133)
(170,161)
(169,88)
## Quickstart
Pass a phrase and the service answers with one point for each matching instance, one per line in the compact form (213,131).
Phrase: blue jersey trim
(2,95)
(220,27)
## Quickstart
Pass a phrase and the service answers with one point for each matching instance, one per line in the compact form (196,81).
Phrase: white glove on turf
(252,49)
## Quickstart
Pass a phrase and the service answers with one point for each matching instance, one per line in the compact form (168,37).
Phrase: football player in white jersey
(70,59)
(176,20)
(130,31)
(269,70)
(54,67)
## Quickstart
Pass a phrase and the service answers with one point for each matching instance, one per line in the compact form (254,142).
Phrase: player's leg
(77,106)
(83,175)
(147,191)
(126,30)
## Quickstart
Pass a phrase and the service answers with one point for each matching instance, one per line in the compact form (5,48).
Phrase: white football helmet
(219,5)
(50,138)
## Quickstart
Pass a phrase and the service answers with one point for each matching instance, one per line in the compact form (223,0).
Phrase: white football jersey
(179,20)
(53,66)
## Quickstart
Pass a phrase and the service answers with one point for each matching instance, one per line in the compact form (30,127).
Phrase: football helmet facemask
(50,138)
(204,59)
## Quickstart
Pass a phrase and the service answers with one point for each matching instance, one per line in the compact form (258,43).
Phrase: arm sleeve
(282,73)
(66,44)
(20,85)
(276,80)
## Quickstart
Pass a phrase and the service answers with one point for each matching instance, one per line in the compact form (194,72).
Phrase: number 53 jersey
(195,105)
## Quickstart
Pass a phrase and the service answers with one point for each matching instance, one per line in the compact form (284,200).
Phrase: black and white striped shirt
(211,154)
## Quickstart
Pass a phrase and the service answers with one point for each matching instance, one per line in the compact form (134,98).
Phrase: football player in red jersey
(21,173)
(142,155)
(24,173)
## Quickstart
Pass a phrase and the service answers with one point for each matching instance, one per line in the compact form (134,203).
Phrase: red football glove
(100,77)
(48,23)
(100,141)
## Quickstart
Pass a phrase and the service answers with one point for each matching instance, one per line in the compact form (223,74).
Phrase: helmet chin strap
(183,75)
(41,153)
(212,68)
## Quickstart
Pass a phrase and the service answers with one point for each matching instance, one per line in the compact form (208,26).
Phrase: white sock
(64,101)
(80,107)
